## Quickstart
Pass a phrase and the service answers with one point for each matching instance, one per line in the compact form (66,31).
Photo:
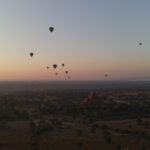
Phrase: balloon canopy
(51,29)
(31,54)
(66,72)
(54,66)
(106,75)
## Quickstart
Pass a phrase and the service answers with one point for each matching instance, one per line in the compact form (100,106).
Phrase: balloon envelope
(54,66)
(106,75)
(31,54)
(66,72)
(51,29)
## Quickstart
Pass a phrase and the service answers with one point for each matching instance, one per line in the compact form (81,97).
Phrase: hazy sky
(92,37)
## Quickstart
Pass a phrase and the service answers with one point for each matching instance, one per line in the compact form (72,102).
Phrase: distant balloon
(106,75)
(68,77)
(47,67)
(51,29)
(66,72)
(56,73)
(31,54)
(140,43)
(63,65)
(54,66)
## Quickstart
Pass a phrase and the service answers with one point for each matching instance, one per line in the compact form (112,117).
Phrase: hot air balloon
(66,72)
(31,54)
(56,73)
(63,65)
(68,77)
(106,75)
(47,67)
(51,29)
(54,66)
(140,43)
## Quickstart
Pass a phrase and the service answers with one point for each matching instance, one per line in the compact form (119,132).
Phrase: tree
(108,140)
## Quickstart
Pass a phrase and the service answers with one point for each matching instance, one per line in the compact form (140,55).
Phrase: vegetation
(41,120)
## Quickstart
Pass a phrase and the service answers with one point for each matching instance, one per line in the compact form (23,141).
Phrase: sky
(92,37)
